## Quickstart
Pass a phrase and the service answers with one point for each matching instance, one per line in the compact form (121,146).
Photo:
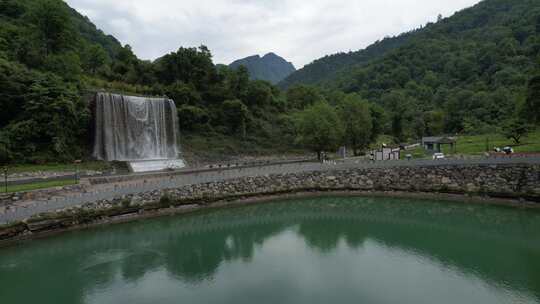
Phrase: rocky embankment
(519,182)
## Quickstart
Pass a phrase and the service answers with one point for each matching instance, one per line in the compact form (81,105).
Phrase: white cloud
(299,30)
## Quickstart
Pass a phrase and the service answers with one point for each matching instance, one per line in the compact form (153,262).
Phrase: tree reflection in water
(499,245)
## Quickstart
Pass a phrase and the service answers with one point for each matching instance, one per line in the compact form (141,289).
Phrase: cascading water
(129,128)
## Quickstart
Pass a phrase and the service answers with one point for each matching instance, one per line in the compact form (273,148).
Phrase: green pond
(321,250)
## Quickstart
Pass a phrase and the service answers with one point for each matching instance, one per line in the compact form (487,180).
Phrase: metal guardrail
(216,175)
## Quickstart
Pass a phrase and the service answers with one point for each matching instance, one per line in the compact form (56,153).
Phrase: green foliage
(356,117)
(60,167)
(193,118)
(11,8)
(319,128)
(183,94)
(39,185)
(67,65)
(50,55)
(471,69)
(300,97)
(5,149)
(165,200)
(235,116)
(515,129)
(434,123)
(378,121)
(96,57)
(53,26)
(398,128)
(47,114)
(187,65)
(324,69)
(259,94)
(467,74)
(531,109)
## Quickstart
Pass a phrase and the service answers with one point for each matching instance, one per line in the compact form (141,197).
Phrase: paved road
(110,191)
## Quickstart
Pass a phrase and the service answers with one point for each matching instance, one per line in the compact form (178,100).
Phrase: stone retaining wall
(515,181)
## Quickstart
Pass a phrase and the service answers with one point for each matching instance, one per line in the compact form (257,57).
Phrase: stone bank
(520,182)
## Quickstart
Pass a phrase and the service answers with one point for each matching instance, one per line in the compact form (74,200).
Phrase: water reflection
(303,252)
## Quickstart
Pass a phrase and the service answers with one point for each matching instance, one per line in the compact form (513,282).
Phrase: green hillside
(23,41)
(465,74)
(472,73)
(51,57)
(326,68)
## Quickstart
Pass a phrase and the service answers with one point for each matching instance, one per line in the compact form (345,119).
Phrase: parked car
(508,150)
(438,156)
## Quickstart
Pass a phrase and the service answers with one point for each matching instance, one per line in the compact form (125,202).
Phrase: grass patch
(36,186)
(416,153)
(217,147)
(382,139)
(59,167)
(476,144)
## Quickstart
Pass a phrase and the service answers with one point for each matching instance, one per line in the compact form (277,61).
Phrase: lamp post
(6,179)
(5,168)
(77,164)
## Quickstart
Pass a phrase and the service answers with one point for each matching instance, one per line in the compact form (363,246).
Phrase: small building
(386,153)
(434,144)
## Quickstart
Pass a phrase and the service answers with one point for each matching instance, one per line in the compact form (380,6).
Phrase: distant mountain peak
(271,55)
(271,67)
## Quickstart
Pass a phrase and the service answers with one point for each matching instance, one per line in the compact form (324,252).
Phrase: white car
(438,156)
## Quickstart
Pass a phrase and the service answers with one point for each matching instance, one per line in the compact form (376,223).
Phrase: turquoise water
(325,250)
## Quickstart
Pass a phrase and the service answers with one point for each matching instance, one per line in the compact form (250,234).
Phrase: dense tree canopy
(319,128)
(356,117)
(531,109)
(50,57)
(474,72)
(464,74)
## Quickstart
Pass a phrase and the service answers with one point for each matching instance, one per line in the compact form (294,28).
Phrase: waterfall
(129,128)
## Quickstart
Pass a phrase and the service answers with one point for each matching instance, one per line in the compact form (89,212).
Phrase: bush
(192,118)
(165,200)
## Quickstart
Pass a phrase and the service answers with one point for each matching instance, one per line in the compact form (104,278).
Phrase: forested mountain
(467,73)
(474,72)
(327,67)
(51,57)
(270,67)
(20,40)
(472,68)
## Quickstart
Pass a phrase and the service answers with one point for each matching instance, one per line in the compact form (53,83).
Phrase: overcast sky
(298,30)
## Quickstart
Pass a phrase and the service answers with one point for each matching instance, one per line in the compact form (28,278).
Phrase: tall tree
(397,127)
(356,117)
(434,123)
(300,97)
(259,94)
(378,121)
(319,128)
(54,27)
(96,57)
(516,129)
(532,104)
(235,115)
